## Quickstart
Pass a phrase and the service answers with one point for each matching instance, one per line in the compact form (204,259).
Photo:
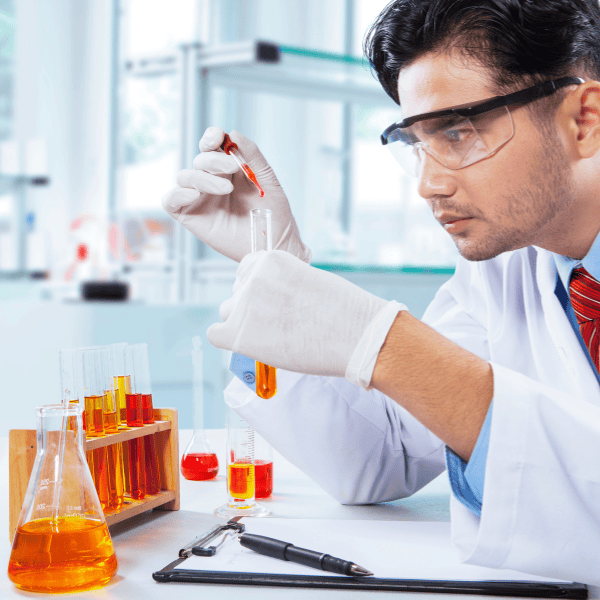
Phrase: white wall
(62,95)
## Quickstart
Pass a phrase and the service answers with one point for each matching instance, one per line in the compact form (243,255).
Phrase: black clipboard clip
(199,547)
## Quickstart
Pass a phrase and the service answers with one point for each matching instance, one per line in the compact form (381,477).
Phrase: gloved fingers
(204,182)
(177,198)
(249,150)
(228,307)
(219,336)
(247,266)
(211,139)
(216,163)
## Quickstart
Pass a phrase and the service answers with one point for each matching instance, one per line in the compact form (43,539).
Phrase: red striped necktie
(585,298)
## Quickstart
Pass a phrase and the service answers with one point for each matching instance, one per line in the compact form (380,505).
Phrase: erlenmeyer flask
(62,543)
(199,461)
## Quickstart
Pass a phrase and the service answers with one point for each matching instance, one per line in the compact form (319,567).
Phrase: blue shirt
(467,479)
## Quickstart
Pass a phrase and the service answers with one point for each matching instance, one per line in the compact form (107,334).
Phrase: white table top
(149,542)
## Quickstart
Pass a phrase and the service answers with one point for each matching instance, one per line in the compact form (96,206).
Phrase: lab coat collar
(590,262)
(582,377)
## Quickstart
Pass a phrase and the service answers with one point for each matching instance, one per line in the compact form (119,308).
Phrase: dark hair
(519,41)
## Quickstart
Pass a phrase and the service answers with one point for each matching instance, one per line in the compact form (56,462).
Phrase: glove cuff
(362,362)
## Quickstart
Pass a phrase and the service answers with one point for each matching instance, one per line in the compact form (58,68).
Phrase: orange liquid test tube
(260,230)
(266,381)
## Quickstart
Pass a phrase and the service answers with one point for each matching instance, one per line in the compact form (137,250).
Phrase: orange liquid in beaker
(69,555)
(241,480)
(266,381)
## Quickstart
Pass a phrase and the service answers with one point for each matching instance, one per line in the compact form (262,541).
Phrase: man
(499,381)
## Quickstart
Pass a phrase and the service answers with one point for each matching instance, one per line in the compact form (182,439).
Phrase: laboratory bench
(150,541)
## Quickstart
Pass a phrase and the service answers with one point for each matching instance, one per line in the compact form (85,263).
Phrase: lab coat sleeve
(358,445)
(541,497)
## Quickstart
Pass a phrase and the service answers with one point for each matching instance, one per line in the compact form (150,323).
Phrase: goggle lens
(455,142)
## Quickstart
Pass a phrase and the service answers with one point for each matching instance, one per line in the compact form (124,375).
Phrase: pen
(302,556)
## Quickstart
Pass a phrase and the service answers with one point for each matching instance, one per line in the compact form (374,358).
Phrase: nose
(434,179)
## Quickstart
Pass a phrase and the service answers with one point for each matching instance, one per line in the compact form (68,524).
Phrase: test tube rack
(23,448)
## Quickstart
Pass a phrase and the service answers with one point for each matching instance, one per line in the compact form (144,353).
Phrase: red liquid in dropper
(197,466)
(250,173)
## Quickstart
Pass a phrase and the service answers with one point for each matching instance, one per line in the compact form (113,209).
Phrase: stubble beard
(531,211)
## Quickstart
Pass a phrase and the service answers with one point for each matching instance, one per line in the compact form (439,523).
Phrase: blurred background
(103,101)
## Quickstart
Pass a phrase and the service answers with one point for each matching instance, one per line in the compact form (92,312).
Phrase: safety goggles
(462,135)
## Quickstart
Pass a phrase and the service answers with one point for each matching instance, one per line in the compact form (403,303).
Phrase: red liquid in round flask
(199,461)
(199,466)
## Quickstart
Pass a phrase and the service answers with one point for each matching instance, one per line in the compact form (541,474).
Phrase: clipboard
(430,539)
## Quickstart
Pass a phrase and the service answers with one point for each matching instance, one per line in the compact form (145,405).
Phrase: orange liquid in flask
(70,554)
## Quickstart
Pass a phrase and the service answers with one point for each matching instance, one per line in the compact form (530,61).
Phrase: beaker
(240,470)
(199,461)
(261,239)
(62,543)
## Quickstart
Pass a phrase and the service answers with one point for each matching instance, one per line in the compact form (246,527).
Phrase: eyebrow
(439,123)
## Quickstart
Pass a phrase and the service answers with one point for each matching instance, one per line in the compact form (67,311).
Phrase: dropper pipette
(231,148)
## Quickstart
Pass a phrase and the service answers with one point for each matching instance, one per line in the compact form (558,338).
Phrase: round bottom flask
(199,461)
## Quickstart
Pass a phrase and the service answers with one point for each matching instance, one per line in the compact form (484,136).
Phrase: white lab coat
(541,501)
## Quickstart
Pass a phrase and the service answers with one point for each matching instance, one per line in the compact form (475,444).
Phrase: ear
(585,103)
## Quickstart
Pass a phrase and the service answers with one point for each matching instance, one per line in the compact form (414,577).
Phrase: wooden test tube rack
(22,449)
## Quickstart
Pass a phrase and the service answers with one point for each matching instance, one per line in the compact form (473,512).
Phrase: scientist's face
(515,198)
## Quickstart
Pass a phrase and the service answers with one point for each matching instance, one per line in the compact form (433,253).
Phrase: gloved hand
(287,314)
(213,200)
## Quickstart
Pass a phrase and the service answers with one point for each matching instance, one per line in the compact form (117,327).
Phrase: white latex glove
(290,315)
(213,200)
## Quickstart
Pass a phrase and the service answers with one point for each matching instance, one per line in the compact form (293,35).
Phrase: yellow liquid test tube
(122,388)
(261,239)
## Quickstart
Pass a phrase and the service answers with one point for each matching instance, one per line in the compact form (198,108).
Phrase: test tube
(93,394)
(114,452)
(93,391)
(144,385)
(134,397)
(122,383)
(70,378)
(136,447)
(260,220)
